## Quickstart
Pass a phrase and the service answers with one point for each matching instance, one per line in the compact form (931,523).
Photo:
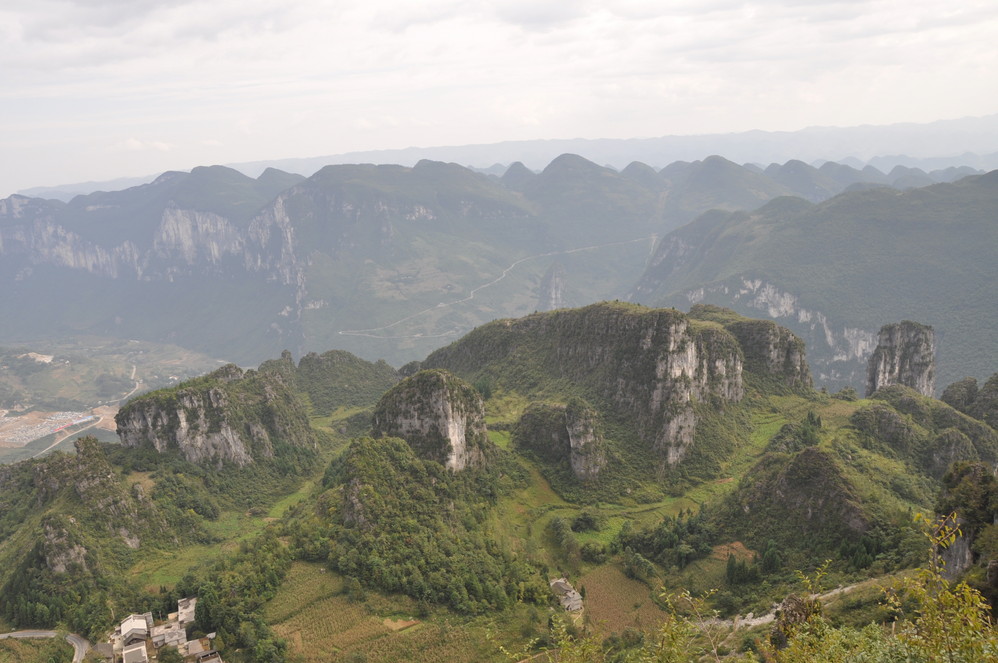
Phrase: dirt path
(750,620)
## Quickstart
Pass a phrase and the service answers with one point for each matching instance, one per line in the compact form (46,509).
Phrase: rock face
(769,349)
(559,433)
(552,289)
(649,365)
(905,355)
(441,417)
(225,417)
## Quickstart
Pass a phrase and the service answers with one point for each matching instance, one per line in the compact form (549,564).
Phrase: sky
(97,89)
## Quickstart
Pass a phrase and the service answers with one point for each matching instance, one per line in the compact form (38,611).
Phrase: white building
(135,628)
(185,610)
(170,633)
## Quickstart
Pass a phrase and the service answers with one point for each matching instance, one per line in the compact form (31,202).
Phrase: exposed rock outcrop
(227,416)
(905,355)
(560,433)
(60,549)
(552,289)
(650,366)
(769,349)
(441,417)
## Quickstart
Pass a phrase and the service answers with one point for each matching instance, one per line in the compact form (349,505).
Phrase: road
(60,439)
(80,645)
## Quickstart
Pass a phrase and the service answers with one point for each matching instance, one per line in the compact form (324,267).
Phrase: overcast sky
(94,89)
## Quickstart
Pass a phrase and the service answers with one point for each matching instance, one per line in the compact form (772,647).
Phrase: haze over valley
(530,331)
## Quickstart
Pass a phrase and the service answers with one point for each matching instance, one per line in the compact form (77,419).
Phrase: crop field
(289,501)
(615,602)
(321,623)
(167,567)
(304,585)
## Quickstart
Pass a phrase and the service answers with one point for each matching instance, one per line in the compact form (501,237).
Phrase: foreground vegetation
(331,545)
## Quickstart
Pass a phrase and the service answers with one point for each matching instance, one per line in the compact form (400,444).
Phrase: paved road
(80,645)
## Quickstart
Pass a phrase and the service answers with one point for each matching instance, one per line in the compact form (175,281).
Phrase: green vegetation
(862,259)
(42,650)
(374,548)
(337,379)
(410,526)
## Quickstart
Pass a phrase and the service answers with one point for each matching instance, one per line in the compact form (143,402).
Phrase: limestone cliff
(769,349)
(905,355)
(441,417)
(225,417)
(650,366)
(564,434)
(552,289)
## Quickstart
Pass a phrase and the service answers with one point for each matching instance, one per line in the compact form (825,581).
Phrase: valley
(76,385)
(259,492)
(484,430)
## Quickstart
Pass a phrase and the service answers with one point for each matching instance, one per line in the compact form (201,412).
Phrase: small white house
(185,610)
(170,634)
(135,628)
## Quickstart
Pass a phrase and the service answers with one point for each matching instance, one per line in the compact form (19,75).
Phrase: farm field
(323,623)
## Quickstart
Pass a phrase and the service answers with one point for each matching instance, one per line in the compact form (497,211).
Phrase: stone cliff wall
(564,433)
(650,365)
(439,415)
(225,417)
(905,355)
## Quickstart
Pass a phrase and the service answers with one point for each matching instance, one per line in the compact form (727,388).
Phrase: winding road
(60,439)
(80,645)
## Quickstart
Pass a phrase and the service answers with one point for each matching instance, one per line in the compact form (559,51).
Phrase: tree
(206,609)
(169,655)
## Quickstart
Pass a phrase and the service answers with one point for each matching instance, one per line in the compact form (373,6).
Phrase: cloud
(136,145)
(246,79)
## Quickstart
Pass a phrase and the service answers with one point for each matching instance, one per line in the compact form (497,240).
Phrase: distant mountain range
(971,141)
(392,262)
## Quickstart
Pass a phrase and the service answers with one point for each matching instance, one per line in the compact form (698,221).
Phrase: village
(138,639)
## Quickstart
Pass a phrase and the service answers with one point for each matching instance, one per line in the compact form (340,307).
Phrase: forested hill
(834,272)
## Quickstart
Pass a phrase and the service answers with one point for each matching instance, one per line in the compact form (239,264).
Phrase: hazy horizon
(94,90)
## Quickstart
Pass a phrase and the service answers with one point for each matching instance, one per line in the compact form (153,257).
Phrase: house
(170,633)
(135,653)
(570,599)
(210,656)
(185,610)
(135,628)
